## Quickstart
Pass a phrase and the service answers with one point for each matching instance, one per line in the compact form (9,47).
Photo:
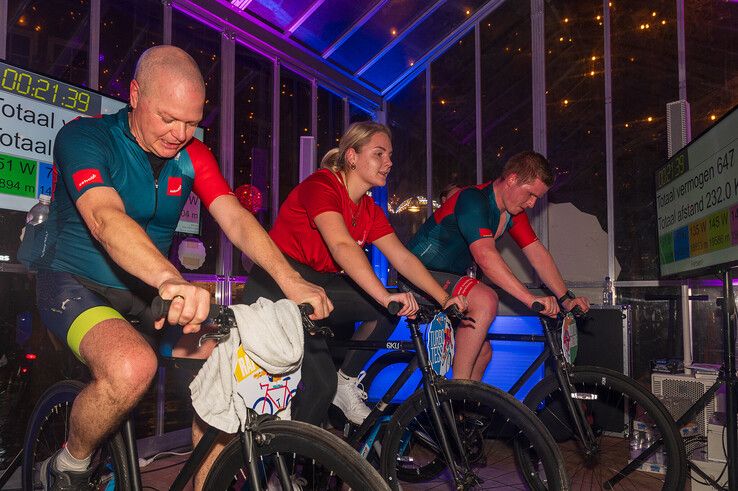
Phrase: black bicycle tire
(673,444)
(65,392)
(306,440)
(503,403)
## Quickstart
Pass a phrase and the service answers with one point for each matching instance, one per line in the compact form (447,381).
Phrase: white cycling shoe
(350,397)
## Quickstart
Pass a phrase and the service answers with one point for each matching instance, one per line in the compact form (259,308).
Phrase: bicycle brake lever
(216,336)
(312,328)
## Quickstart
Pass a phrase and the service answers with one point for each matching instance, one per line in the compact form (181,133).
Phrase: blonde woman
(322,228)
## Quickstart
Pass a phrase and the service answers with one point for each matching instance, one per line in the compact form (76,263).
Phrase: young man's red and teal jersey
(442,242)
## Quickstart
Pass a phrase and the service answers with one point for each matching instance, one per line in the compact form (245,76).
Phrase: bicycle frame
(429,377)
(562,369)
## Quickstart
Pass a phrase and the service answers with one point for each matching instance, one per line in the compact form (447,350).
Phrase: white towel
(272,335)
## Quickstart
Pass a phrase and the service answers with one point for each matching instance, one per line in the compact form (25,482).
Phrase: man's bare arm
(130,247)
(495,268)
(542,261)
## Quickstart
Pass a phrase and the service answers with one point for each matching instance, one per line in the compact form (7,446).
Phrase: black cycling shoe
(56,480)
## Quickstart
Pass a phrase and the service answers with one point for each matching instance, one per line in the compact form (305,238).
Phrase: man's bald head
(170,64)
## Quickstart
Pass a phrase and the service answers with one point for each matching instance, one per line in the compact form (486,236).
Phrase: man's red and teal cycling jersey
(442,242)
(95,152)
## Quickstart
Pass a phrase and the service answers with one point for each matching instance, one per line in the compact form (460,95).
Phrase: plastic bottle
(40,211)
(36,215)
(607,292)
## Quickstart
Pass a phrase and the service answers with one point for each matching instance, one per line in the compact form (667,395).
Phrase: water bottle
(40,211)
(37,214)
(607,292)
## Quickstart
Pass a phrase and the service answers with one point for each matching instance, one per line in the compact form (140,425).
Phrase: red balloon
(250,197)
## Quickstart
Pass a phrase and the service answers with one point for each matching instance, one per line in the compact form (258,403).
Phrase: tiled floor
(499,473)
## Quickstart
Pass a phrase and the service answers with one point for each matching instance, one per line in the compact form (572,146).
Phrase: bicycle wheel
(488,421)
(47,432)
(622,412)
(320,460)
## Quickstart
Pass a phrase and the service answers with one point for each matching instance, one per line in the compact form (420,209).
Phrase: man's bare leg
(122,366)
(473,353)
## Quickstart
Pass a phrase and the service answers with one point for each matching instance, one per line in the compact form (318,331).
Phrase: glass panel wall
(453,116)
(712,60)
(253,140)
(203,44)
(575,111)
(358,114)
(506,85)
(656,327)
(644,64)
(407,180)
(294,118)
(707,322)
(330,121)
(52,38)
(127,29)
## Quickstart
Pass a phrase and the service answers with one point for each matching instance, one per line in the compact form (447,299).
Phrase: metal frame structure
(240,27)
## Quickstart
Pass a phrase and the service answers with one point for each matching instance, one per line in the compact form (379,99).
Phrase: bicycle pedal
(584,396)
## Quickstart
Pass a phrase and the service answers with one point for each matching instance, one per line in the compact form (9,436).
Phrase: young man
(121,182)
(464,230)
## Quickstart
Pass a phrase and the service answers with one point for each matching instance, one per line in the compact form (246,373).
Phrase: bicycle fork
(431,395)
(583,429)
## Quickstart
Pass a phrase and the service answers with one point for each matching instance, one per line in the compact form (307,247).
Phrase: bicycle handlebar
(538,307)
(427,312)
(160,308)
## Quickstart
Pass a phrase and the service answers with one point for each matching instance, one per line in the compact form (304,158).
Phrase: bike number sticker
(569,340)
(264,393)
(440,343)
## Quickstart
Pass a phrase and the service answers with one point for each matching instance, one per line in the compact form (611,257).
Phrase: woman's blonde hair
(356,136)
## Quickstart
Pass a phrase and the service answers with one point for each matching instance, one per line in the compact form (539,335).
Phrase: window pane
(50,37)
(407,180)
(453,116)
(294,113)
(644,64)
(329,21)
(712,60)
(656,327)
(127,29)
(576,135)
(423,38)
(203,44)
(330,121)
(253,137)
(392,19)
(506,86)
(358,114)
(707,326)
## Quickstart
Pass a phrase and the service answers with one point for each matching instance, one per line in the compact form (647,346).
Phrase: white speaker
(307,156)
(678,126)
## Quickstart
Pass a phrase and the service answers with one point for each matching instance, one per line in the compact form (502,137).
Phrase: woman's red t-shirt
(296,234)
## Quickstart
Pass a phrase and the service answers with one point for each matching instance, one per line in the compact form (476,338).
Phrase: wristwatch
(569,295)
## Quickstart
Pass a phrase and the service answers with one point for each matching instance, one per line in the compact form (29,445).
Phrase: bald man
(121,183)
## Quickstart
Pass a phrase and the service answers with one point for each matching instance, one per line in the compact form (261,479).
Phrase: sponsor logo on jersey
(85,177)
(174,186)
(485,232)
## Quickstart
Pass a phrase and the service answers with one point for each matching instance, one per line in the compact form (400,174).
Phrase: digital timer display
(39,88)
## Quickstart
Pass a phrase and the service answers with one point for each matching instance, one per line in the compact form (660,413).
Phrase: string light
(713,117)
